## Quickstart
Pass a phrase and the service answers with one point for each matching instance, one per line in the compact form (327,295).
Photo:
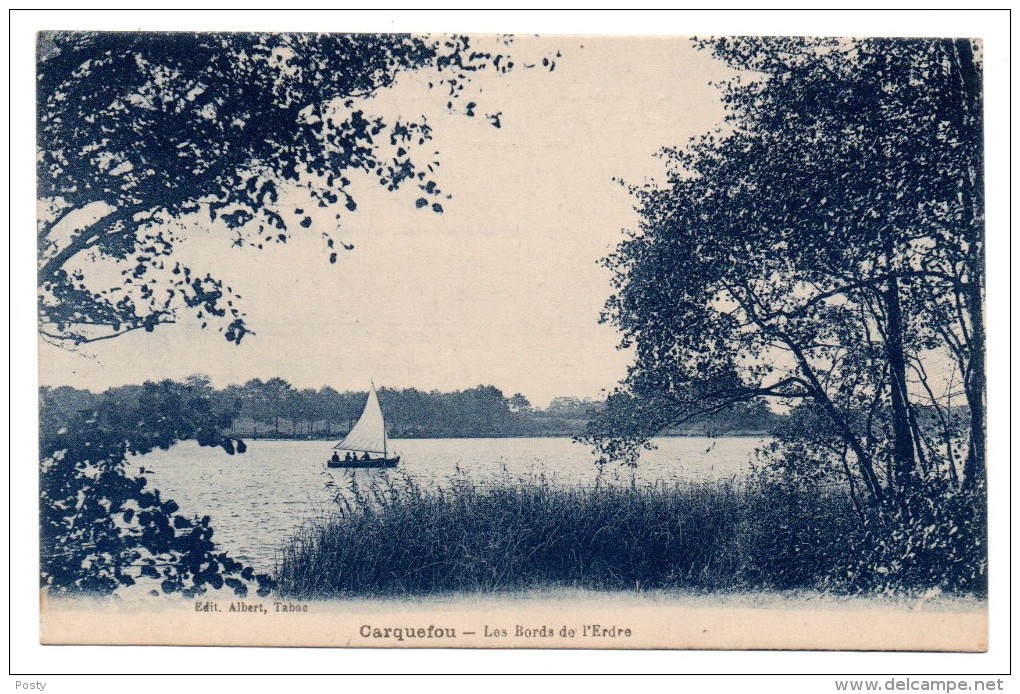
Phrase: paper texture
(262,228)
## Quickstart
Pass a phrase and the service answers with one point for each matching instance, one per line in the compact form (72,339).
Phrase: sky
(503,288)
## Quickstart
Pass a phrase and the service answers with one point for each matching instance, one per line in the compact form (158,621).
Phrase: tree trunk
(969,124)
(818,391)
(904,458)
(974,387)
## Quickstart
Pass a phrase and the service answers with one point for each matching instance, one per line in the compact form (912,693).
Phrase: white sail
(369,434)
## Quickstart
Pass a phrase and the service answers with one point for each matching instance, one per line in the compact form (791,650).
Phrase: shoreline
(336,437)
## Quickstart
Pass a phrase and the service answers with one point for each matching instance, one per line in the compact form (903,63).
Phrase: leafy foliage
(139,132)
(822,250)
(102,527)
(139,136)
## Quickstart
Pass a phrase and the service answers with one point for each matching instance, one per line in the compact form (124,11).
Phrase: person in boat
(349,457)
(366,456)
(335,458)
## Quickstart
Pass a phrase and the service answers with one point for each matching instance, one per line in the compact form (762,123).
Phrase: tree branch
(868,283)
(90,237)
(815,387)
(82,340)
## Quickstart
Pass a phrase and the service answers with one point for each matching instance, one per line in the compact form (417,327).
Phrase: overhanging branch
(109,225)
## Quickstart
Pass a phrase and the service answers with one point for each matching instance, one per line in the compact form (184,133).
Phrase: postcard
(496,341)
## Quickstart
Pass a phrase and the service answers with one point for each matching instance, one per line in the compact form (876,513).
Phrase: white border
(28,656)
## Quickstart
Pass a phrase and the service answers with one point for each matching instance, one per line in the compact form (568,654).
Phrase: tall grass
(396,537)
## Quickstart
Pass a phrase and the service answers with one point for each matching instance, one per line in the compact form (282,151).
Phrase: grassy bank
(400,538)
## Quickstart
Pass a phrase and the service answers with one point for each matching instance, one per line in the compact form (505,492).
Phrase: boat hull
(357,464)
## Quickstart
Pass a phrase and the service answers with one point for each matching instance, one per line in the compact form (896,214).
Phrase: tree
(331,407)
(519,403)
(102,526)
(139,135)
(824,251)
(230,401)
(570,407)
(138,132)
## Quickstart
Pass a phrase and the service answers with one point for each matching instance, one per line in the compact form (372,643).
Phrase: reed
(393,536)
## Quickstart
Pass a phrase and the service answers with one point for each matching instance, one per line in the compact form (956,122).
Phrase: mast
(383,415)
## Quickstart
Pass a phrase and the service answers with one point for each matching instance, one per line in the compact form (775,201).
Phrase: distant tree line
(276,409)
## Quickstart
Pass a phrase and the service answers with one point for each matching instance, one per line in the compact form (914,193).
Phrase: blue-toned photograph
(396,340)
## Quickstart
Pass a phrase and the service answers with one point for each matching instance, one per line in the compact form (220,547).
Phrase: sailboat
(365,445)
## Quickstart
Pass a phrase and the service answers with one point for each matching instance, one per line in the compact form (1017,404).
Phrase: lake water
(259,499)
